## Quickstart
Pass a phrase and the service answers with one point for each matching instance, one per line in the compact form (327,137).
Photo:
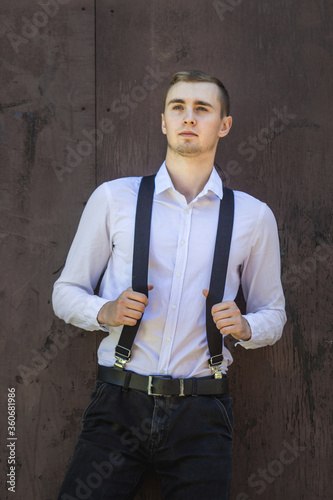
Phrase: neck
(189,175)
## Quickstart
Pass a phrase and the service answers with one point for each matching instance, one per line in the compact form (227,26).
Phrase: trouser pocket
(95,397)
(224,403)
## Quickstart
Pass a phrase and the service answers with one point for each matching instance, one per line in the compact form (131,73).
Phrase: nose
(189,118)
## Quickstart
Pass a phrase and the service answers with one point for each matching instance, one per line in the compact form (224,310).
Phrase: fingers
(133,297)
(230,326)
(225,308)
(127,309)
(123,314)
(227,318)
(137,296)
(225,314)
(229,321)
(131,306)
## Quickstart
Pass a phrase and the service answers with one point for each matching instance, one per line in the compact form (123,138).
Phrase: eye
(202,108)
(177,106)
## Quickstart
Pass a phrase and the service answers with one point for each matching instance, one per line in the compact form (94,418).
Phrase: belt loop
(194,387)
(127,381)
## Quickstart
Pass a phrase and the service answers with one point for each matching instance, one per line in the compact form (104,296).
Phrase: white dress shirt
(171,339)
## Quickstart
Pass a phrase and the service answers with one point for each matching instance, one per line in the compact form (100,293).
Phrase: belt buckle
(150,385)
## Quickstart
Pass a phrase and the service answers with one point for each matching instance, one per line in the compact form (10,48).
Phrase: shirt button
(168,339)
(173,307)
(178,275)
(162,372)
(182,243)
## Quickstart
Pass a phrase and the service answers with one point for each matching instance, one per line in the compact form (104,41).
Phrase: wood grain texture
(47,99)
(61,135)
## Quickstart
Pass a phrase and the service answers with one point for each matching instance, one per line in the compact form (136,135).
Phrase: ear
(163,124)
(226,126)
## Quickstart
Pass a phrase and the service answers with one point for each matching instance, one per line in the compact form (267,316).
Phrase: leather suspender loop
(140,263)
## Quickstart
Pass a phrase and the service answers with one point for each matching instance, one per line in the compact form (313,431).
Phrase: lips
(188,133)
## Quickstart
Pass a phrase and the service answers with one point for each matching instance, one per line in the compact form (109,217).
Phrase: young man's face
(192,118)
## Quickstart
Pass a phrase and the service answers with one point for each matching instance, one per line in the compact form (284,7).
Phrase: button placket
(176,289)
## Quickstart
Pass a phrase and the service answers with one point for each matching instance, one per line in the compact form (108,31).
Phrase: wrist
(101,316)
(247,329)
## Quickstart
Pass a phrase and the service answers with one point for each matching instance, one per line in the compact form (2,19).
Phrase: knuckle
(121,300)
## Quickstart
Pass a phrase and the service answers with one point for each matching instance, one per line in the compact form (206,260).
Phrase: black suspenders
(140,271)
(140,263)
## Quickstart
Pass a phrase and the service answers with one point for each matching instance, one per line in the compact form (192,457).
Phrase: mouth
(188,133)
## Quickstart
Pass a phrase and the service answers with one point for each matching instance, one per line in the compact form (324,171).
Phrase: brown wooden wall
(74,67)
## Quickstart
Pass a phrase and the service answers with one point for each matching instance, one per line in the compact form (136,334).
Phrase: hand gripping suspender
(140,271)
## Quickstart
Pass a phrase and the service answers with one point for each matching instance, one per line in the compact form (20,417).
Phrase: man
(162,401)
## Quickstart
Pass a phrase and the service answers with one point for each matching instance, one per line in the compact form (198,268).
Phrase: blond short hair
(195,75)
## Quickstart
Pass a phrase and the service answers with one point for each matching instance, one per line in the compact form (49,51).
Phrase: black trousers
(187,440)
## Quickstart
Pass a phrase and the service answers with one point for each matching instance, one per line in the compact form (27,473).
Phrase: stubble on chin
(186,149)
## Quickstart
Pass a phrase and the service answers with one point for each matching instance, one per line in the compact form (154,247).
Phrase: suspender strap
(218,278)
(142,234)
(140,263)
(140,271)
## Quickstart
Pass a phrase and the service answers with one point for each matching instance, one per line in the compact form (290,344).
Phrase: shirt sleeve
(261,283)
(73,296)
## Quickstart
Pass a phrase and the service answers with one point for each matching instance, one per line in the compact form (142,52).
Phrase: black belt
(159,385)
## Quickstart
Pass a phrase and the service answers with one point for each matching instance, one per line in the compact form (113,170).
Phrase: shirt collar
(164,182)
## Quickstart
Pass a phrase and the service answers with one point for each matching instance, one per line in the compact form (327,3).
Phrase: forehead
(194,91)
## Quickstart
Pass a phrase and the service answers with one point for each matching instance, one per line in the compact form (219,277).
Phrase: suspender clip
(122,357)
(217,371)
(120,363)
(215,364)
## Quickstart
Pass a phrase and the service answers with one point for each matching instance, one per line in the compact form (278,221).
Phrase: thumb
(150,287)
(205,292)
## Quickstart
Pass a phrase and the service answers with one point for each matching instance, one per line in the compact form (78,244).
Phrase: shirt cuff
(90,310)
(258,332)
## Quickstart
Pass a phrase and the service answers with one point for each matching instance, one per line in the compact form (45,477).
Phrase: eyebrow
(181,101)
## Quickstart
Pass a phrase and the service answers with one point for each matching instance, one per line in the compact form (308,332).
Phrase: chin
(189,150)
